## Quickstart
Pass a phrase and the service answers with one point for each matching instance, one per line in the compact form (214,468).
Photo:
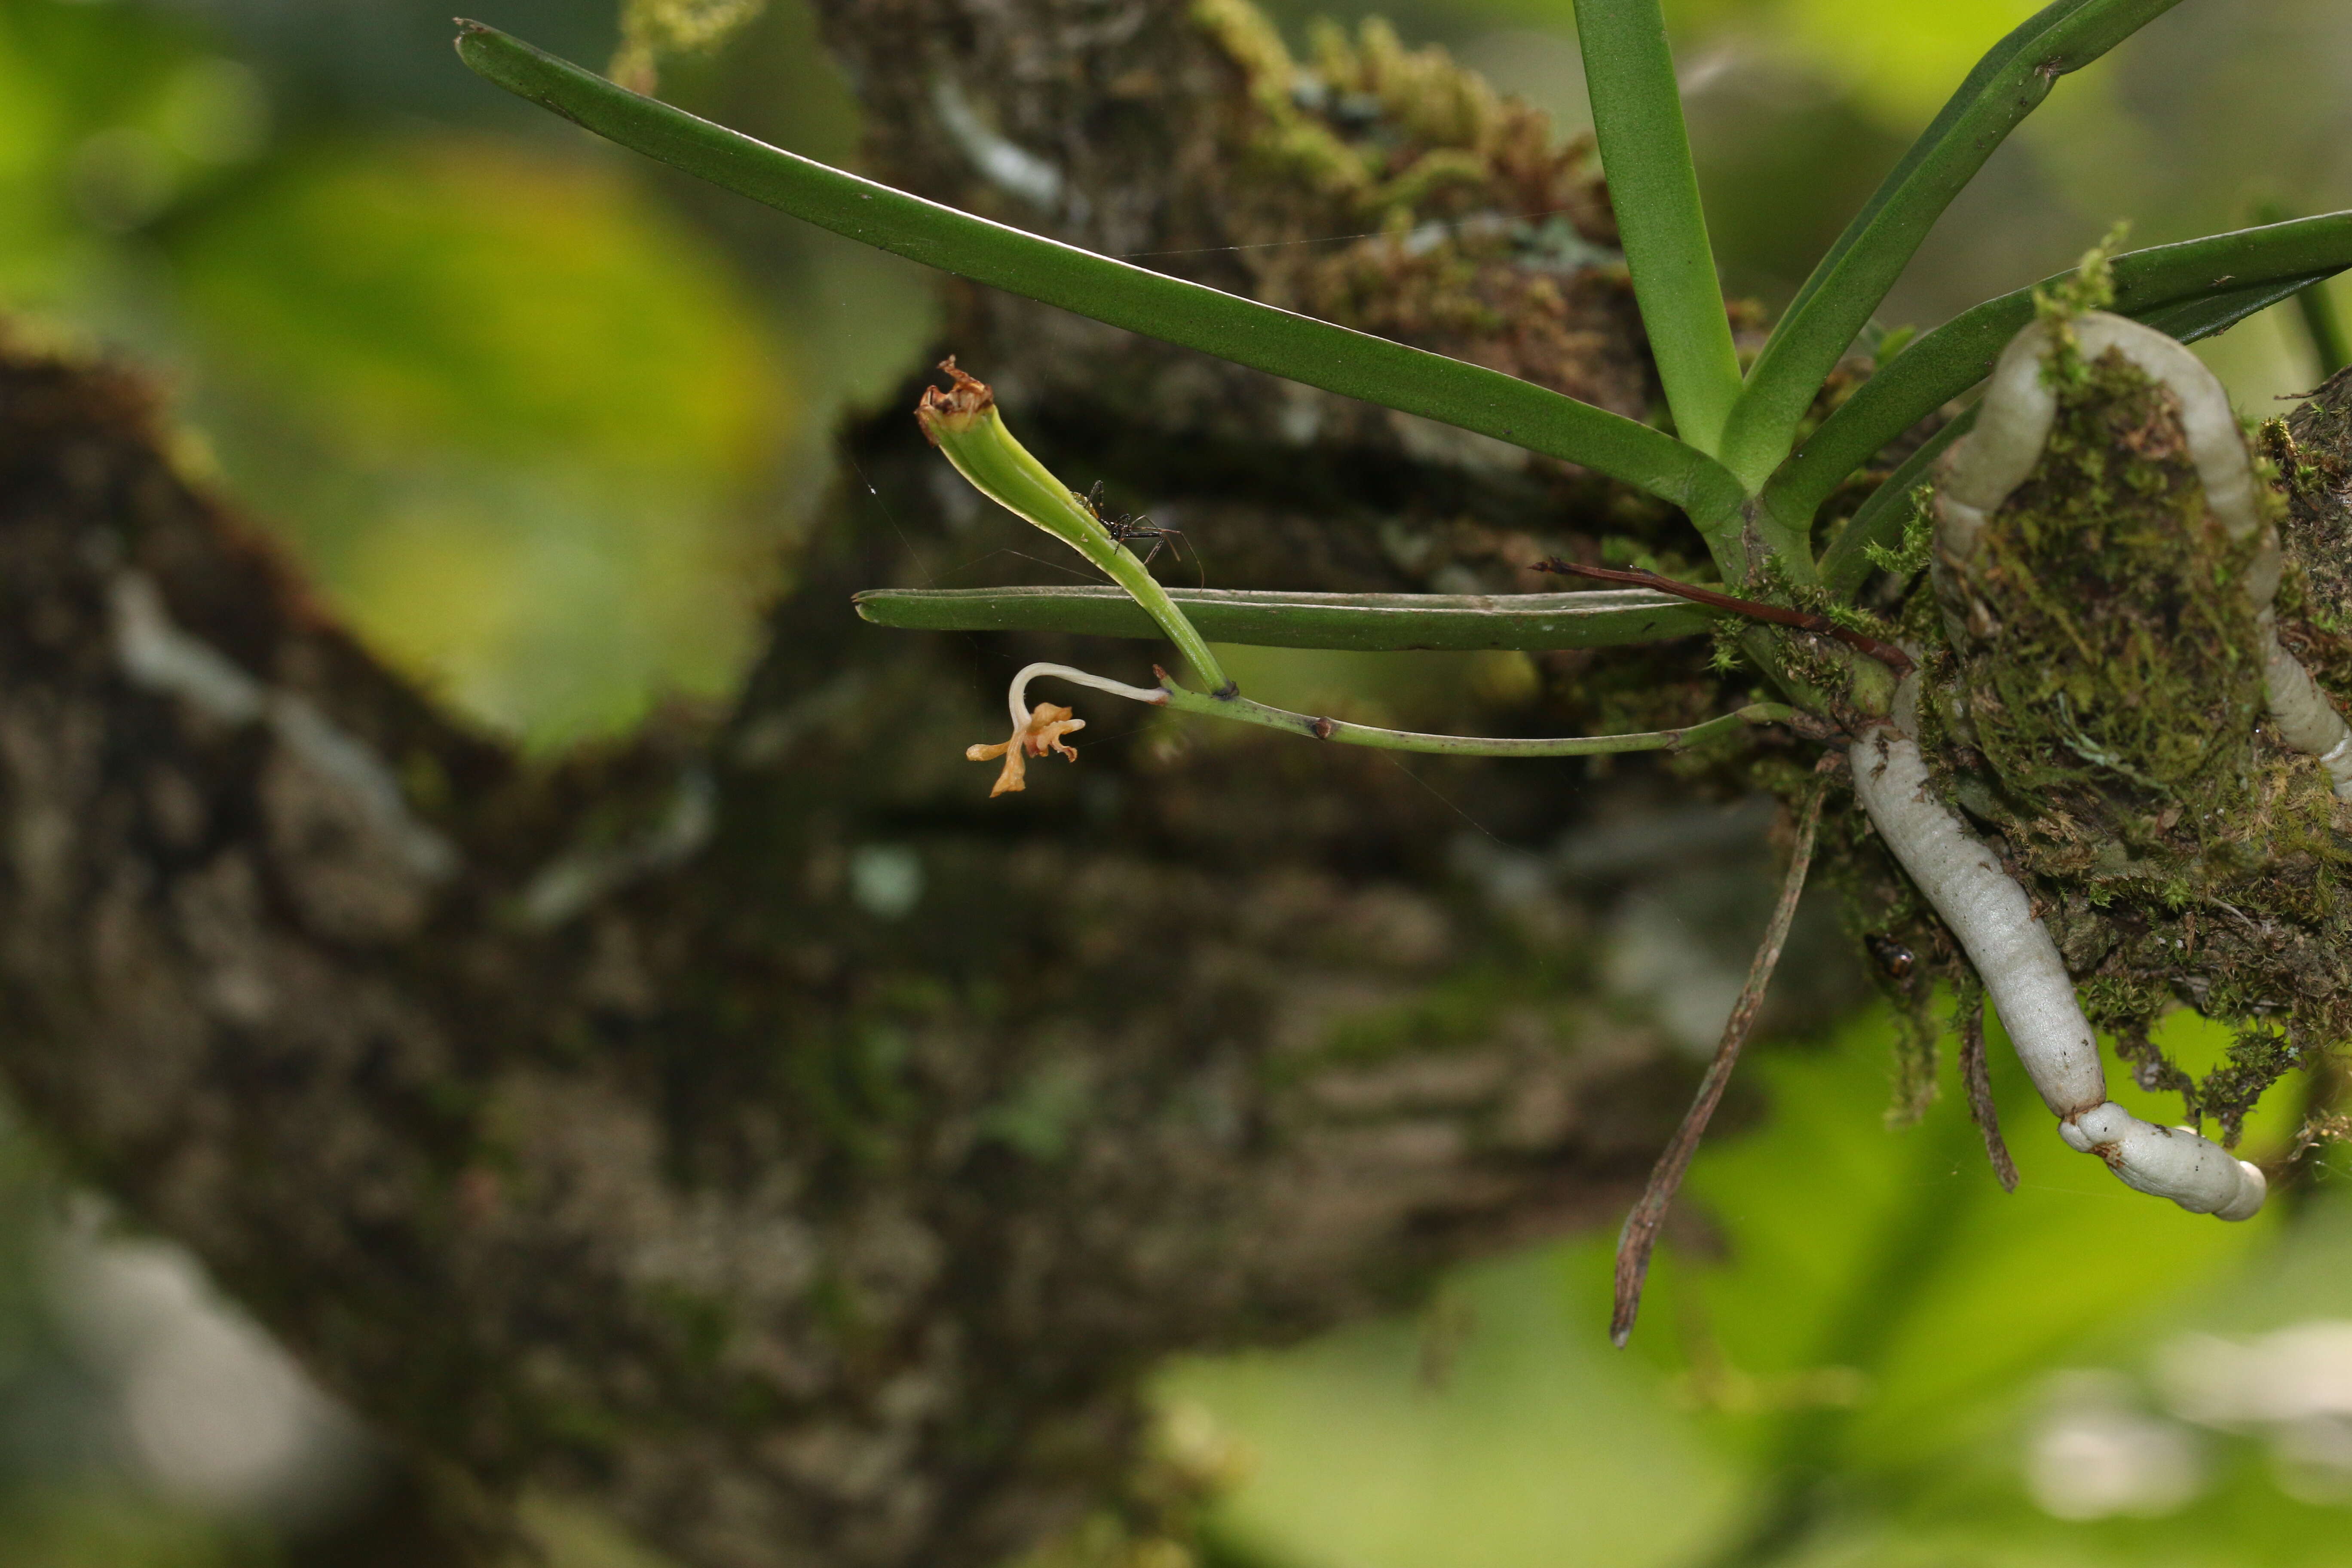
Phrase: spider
(1125,528)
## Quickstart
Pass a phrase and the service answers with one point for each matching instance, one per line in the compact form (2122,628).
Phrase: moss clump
(2099,715)
(2310,453)
(1465,226)
(2120,682)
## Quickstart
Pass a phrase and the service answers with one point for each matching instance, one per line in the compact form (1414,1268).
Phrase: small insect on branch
(1886,653)
(1126,528)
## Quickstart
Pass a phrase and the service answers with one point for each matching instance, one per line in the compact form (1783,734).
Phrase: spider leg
(1179,544)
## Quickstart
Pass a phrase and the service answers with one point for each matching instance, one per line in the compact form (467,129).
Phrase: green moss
(588,1430)
(1044,1110)
(1489,238)
(2099,715)
(2125,665)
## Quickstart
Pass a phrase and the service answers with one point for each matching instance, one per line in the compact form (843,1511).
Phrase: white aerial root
(1984,907)
(2301,712)
(1017,697)
(2013,423)
(2028,982)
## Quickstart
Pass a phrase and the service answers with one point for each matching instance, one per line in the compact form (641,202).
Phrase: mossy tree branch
(746,1129)
(616,1130)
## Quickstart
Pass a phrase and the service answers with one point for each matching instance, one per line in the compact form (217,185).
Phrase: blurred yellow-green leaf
(520,419)
(492,298)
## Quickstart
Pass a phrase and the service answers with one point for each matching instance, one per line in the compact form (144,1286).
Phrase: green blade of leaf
(1838,300)
(2324,324)
(1372,623)
(2190,320)
(1879,520)
(1352,364)
(1637,122)
(2191,291)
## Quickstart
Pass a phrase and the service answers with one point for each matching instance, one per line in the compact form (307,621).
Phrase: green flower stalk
(1037,732)
(963,423)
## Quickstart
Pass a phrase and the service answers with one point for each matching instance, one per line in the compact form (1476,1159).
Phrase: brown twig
(1973,1073)
(1886,653)
(1640,1236)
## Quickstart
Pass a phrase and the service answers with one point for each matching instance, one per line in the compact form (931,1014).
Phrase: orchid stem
(964,423)
(1168,694)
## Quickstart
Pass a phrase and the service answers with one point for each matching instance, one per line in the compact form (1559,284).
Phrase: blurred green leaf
(492,298)
(109,119)
(1888,1268)
(1869,1312)
(1494,1433)
(518,415)
(1898,61)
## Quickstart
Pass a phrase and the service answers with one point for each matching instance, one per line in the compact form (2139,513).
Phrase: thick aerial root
(1990,915)
(2301,712)
(2018,409)
(2028,982)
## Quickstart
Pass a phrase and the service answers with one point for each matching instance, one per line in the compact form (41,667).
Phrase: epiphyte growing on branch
(2118,636)
(1748,466)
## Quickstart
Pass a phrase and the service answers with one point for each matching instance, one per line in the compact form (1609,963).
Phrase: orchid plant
(1747,459)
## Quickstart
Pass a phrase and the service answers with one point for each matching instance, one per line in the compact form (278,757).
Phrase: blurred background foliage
(544,423)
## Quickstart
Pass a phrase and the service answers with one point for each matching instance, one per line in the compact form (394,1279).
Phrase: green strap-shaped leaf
(2190,320)
(2324,324)
(1879,520)
(1838,300)
(2189,290)
(1352,364)
(1637,122)
(1381,623)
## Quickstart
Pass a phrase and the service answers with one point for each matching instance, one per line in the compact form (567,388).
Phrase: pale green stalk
(1347,734)
(965,426)
(1213,706)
